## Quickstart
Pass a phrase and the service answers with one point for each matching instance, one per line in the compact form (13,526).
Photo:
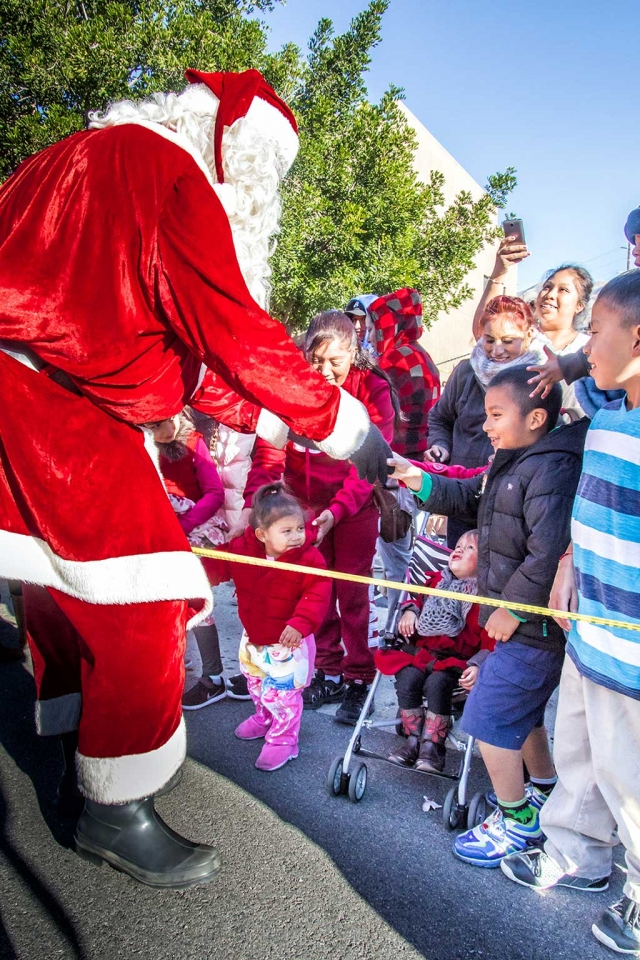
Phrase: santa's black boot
(134,839)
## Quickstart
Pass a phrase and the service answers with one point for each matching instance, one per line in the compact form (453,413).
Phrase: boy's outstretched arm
(441,495)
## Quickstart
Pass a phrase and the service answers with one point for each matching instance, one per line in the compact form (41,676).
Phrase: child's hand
(469,677)
(564,592)
(290,637)
(407,625)
(549,373)
(501,625)
(323,523)
(437,454)
(402,469)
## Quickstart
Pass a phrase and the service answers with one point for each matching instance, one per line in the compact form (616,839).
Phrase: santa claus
(133,261)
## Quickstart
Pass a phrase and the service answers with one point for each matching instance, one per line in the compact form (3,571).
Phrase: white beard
(251,165)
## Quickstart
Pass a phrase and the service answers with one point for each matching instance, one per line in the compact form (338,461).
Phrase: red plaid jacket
(397,319)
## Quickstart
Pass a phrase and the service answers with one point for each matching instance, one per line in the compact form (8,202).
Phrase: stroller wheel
(357,782)
(452,814)
(477,810)
(334,777)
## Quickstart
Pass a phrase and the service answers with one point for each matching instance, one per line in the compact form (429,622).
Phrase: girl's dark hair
(517,380)
(584,283)
(336,325)
(270,503)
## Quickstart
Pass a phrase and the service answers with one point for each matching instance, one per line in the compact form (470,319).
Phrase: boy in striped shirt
(596,802)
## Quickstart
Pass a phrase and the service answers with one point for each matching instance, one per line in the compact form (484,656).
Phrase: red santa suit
(118,281)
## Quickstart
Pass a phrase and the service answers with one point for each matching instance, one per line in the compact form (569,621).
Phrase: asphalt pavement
(306,876)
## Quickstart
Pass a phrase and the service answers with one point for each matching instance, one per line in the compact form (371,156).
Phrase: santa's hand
(370,459)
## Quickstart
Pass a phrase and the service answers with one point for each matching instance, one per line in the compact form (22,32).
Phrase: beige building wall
(450,338)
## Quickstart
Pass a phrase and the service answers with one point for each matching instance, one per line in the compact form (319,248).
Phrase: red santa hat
(248,94)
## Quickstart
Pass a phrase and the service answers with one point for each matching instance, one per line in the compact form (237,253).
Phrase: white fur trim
(124,779)
(350,429)
(138,578)
(272,429)
(58,715)
(270,122)
(274,126)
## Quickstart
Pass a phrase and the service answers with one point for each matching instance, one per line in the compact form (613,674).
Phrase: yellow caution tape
(412,588)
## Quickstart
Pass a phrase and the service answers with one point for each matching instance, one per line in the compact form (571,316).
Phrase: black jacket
(522,508)
(456,420)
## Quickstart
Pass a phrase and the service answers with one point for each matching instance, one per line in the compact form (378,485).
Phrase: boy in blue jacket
(522,509)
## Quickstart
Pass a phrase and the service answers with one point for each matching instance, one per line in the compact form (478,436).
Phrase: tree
(355,216)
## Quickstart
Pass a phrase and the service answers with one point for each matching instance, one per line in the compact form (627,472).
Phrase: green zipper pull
(544,628)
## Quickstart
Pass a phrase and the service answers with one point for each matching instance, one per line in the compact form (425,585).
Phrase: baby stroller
(348,773)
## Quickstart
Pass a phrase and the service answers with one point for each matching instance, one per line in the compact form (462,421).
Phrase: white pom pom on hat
(248,94)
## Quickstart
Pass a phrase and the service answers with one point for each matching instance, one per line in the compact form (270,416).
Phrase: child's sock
(521,811)
(215,678)
(544,786)
(333,676)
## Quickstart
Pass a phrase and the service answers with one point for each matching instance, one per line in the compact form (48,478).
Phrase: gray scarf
(485,369)
(444,616)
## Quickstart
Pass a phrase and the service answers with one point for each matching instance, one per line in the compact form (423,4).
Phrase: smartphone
(514,228)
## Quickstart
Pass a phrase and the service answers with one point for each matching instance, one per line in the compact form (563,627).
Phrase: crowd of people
(502,458)
(292,453)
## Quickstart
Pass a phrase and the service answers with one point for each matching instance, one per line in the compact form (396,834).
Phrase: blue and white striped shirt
(606,542)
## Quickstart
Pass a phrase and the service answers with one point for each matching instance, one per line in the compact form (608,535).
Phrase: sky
(550,88)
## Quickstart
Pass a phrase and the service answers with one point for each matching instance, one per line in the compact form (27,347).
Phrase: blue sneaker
(496,838)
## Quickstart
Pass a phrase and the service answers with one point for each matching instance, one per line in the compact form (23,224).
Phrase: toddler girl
(444,646)
(279,610)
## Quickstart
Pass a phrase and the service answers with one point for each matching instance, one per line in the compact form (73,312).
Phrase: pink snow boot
(252,728)
(275,755)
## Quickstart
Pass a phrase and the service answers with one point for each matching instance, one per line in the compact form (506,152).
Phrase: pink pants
(280,708)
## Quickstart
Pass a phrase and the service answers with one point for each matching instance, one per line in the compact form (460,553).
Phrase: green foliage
(355,216)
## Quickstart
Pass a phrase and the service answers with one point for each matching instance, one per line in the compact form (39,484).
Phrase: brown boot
(433,752)
(407,754)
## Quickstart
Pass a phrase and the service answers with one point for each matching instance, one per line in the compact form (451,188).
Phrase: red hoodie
(397,318)
(269,599)
(314,478)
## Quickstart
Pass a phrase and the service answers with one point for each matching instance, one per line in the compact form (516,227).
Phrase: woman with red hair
(508,339)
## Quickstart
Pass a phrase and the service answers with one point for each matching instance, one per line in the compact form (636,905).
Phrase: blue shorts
(511,693)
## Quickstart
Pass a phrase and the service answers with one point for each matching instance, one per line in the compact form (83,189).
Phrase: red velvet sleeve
(207,302)
(214,398)
(267,466)
(355,492)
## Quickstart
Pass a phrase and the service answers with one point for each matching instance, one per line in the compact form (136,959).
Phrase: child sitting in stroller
(441,646)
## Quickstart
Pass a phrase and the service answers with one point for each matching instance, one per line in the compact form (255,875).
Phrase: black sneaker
(237,687)
(321,691)
(619,927)
(353,701)
(203,694)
